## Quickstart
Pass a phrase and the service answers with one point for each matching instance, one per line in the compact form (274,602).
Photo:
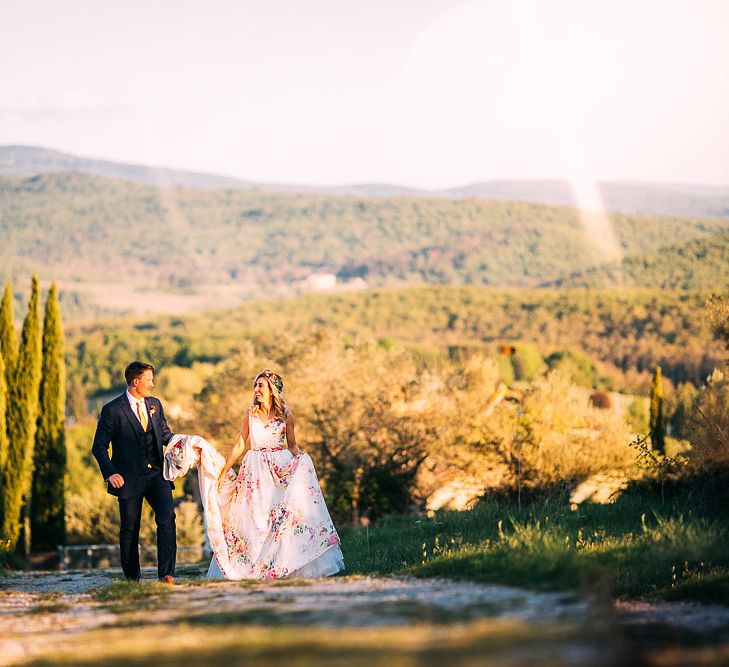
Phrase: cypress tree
(657,422)
(3,423)
(8,337)
(21,418)
(49,459)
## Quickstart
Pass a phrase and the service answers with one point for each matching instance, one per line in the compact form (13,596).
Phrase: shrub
(528,363)
(577,366)
(552,438)
(681,407)
(636,415)
(190,530)
(370,416)
(717,310)
(711,421)
(92,518)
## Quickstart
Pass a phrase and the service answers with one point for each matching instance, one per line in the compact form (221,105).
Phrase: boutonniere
(152,410)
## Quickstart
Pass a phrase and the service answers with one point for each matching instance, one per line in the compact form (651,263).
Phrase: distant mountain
(27,161)
(375,190)
(622,197)
(32,161)
(617,197)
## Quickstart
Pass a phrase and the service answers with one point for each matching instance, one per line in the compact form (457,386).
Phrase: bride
(270,520)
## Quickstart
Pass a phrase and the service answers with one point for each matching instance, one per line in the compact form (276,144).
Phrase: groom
(135,425)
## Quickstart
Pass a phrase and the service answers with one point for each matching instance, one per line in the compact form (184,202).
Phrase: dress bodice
(266,436)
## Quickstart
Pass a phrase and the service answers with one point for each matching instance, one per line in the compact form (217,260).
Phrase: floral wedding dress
(271,520)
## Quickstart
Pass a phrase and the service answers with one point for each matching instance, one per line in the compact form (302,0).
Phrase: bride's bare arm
(238,448)
(291,434)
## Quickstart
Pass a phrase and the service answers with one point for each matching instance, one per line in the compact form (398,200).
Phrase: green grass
(634,547)
(129,596)
(128,590)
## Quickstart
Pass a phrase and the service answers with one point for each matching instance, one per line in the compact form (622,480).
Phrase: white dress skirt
(268,522)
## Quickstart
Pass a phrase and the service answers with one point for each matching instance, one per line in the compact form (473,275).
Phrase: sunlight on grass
(131,596)
(629,548)
(129,590)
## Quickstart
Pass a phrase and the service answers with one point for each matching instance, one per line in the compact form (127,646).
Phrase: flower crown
(273,378)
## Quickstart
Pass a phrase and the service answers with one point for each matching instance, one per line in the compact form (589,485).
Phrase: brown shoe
(167,579)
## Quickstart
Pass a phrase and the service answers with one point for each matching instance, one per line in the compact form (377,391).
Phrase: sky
(426,93)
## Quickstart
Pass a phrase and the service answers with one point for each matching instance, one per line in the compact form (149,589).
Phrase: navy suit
(137,456)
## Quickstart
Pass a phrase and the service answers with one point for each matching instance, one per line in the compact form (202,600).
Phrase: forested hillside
(695,264)
(76,228)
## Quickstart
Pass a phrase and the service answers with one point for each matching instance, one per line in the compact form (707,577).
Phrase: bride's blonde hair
(275,386)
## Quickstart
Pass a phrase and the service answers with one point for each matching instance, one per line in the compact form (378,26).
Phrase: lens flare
(595,220)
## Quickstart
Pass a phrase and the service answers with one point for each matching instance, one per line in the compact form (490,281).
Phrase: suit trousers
(156,490)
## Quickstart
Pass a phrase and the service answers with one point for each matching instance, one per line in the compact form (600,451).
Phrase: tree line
(611,339)
(32,431)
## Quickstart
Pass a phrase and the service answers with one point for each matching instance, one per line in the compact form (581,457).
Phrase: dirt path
(54,618)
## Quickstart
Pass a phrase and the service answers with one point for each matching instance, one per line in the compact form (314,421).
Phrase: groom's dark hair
(135,369)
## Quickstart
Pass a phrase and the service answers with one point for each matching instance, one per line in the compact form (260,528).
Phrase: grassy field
(634,547)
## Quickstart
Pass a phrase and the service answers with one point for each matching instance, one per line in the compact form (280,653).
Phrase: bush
(95,520)
(681,407)
(372,427)
(636,415)
(190,530)
(577,366)
(552,439)
(92,518)
(178,384)
(528,363)
(711,422)
(717,310)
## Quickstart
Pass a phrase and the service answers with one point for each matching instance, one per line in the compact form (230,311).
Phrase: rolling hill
(669,199)
(77,228)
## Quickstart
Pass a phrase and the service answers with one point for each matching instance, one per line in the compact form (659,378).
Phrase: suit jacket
(120,427)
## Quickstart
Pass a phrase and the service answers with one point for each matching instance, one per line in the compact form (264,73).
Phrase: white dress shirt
(133,402)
